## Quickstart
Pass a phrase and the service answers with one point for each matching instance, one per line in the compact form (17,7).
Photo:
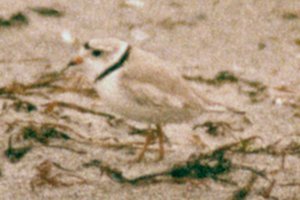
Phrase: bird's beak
(76,61)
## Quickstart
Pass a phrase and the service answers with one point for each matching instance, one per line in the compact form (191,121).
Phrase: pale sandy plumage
(149,90)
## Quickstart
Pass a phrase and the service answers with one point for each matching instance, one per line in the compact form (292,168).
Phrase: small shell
(139,35)
(135,3)
(67,37)
(279,101)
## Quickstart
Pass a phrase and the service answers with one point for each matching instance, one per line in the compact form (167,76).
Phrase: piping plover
(138,85)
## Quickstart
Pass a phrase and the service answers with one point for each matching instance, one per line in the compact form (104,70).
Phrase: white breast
(109,90)
(113,96)
(116,100)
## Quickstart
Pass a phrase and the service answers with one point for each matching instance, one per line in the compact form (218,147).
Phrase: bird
(138,85)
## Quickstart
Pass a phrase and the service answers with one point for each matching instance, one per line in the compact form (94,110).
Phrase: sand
(253,40)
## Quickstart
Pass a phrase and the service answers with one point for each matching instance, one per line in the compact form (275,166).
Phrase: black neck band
(115,66)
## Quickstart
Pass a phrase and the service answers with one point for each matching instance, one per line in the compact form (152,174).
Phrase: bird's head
(99,56)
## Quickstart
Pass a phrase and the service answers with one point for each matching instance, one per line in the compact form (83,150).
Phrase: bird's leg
(161,136)
(149,138)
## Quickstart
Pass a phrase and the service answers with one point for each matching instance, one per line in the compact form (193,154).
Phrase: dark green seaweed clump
(243,192)
(19,18)
(16,19)
(220,78)
(24,106)
(211,128)
(92,163)
(240,194)
(215,128)
(43,135)
(211,167)
(225,76)
(255,90)
(47,12)
(15,154)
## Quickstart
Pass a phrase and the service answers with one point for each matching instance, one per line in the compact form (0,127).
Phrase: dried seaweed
(197,167)
(19,104)
(225,76)
(291,184)
(293,148)
(261,46)
(16,19)
(113,173)
(24,105)
(243,192)
(289,16)
(297,41)
(266,192)
(221,78)
(255,90)
(46,176)
(15,154)
(216,128)
(19,19)
(43,135)
(170,23)
(203,166)
(46,81)
(20,88)
(47,11)
(247,147)
(51,106)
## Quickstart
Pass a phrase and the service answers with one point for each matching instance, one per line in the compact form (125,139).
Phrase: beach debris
(135,3)
(26,106)
(290,16)
(16,19)
(216,128)
(47,11)
(171,23)
(213,165)
(220,78)
(67,37)
(33,133)
(261,46)
(43,134)
(14,154)
(255,90)
(139,35)
(51,173)
(297,41)
(243,192)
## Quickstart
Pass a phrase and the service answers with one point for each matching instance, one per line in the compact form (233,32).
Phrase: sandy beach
(57,140)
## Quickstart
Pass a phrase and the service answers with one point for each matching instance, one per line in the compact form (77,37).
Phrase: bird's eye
(96,53)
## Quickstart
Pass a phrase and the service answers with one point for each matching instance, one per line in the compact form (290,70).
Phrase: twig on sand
(51,173)
(50,107)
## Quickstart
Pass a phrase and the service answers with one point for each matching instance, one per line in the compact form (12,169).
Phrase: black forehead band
(115,66)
